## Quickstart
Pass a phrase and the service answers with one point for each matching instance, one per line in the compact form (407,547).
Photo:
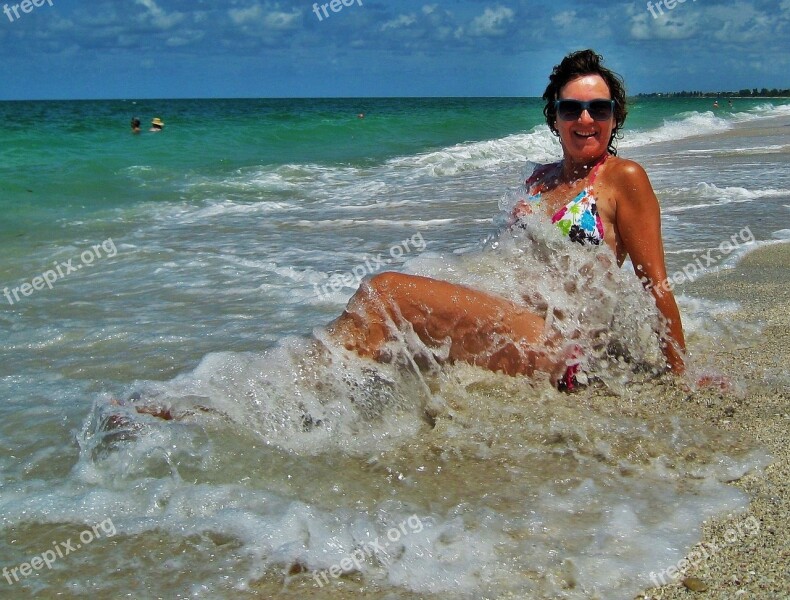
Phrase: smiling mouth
(584,135)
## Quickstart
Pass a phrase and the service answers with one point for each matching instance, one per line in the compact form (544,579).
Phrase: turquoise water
(207,255)
(60,159)
(69,160)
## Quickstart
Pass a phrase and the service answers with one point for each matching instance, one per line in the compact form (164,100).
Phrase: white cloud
(160,18)
(565,18)
(271,20)
(491,22)
(742,23)
(400,22)
(282,20)
(185,38)
(640,28)
(670,26)
(242,16)
(731,23)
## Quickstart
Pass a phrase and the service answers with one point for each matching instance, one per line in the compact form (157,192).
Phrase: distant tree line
(744,93)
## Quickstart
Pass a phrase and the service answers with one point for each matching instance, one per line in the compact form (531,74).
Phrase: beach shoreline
(752,566)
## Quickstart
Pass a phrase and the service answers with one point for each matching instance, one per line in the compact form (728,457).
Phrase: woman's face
(585,139)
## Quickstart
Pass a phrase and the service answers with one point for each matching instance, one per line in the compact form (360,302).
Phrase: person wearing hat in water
(157,124)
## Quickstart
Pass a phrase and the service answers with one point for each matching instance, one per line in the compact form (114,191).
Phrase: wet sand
(756,564)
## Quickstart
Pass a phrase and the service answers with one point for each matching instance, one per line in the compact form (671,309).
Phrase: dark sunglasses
(571,110)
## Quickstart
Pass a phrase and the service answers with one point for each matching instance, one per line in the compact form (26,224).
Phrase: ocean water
(194,269)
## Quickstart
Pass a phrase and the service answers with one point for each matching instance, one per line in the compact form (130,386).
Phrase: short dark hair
(577,64)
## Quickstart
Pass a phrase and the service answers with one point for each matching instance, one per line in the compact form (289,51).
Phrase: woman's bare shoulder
(624,170)
(628,180)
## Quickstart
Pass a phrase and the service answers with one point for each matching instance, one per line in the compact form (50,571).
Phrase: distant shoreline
(732,95)
(784,94)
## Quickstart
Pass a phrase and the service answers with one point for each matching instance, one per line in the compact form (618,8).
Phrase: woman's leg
(482,329)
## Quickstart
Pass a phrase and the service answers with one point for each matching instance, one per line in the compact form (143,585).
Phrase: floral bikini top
(579,219)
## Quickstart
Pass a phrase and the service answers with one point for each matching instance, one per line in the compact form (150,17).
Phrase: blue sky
(262,48)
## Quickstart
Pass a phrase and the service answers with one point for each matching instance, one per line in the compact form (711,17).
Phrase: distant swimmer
(135,125)
(715,104)
(361,116)
(157,124)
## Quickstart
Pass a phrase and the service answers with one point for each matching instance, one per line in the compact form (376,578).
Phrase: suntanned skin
(632,206)
(472,321)
(626,202)
(482,329)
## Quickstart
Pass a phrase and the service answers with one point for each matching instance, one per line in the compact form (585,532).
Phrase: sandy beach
(755,564)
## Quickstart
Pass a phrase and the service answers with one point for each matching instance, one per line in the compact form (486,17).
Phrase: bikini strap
(594,170)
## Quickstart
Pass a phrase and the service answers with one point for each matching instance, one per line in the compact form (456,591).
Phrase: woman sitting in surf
(593,196)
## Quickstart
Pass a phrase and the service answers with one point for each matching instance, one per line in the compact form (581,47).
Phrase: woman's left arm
(638,219)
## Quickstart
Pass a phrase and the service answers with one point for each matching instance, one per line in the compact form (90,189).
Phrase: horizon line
(147,99)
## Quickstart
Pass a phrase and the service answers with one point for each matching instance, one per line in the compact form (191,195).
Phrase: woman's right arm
(638,218)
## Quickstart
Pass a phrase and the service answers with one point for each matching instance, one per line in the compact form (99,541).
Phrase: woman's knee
(375,295)
(389,284)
